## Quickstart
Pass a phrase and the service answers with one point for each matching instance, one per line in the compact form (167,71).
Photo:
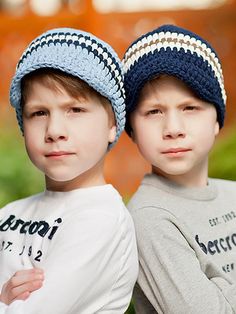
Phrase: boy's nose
(55,130)
(173,126)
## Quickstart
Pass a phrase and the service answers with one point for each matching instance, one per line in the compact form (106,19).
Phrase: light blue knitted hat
(80,54)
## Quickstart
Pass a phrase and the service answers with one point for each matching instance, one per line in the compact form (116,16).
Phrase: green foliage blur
(222,162)
(19,178)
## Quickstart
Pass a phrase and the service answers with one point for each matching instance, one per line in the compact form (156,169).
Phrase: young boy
(185,222)
(69,99)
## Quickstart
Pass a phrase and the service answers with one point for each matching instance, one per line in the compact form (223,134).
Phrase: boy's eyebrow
(32,105)
(41,104)
(154,102)
(148,103)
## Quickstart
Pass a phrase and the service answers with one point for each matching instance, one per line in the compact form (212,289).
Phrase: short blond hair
(74,86)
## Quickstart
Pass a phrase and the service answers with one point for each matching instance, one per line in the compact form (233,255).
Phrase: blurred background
(118,22)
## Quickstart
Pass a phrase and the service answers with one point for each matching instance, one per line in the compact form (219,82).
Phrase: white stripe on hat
(173,40)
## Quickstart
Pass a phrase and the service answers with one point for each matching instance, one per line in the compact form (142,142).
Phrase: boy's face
(66,138)
(174,130)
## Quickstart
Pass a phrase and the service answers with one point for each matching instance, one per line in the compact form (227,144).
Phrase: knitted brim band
(80,54)
(174,51)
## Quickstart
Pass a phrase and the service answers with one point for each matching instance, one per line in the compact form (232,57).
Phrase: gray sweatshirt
(187,247)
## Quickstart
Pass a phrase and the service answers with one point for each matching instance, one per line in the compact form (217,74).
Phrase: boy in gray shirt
(185,222)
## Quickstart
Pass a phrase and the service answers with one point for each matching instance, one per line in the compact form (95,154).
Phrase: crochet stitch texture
(80,54)
(175,51)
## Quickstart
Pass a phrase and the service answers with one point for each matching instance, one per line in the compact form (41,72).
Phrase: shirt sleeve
(171,274)
(15,307)
(81,269)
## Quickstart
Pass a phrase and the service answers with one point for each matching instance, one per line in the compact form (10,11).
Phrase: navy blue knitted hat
(80,54)
(178,52)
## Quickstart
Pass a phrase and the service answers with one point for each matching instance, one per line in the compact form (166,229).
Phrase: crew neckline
(79,191)
(207,192)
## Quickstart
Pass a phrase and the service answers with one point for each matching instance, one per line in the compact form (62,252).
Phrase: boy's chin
(170,172)
(60,178)
(173,173)
(74,181)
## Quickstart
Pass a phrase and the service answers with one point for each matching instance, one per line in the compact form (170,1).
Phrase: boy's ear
(217,128)
(112,134)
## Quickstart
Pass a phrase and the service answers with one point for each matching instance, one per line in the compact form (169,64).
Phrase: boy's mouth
(58,154)
(175,151)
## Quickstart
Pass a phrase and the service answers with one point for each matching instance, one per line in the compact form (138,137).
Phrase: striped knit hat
(178,52)
(80,54)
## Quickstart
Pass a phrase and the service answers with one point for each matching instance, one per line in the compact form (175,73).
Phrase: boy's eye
(190,108)
(77,109)
(38,113)
(154,111)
